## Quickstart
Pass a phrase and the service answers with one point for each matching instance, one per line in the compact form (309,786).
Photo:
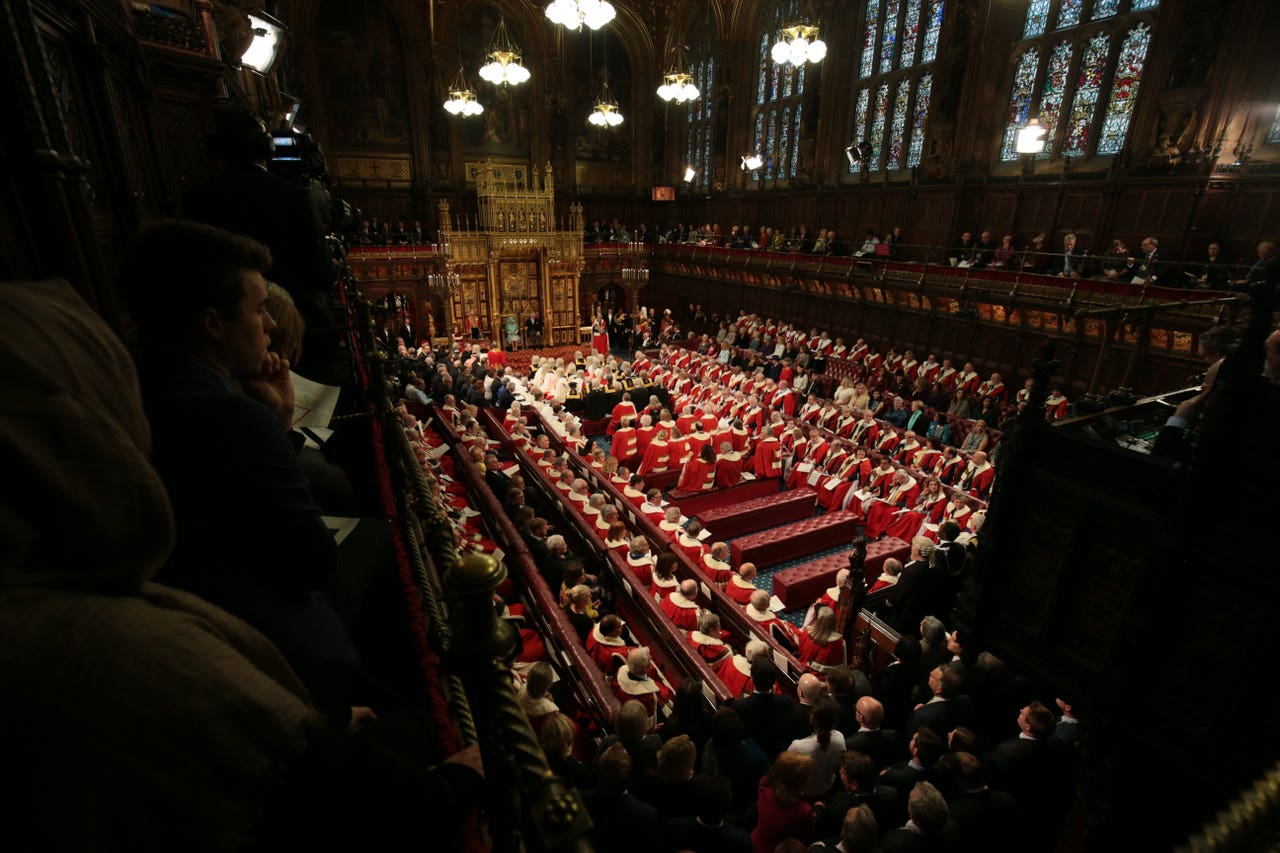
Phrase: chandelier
(462,98)
(799,44)
(504,65)
(574,13)
(605,114)
(678,86)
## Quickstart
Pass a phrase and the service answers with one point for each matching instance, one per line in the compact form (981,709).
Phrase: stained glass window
(1084,106)
(795,149)
(910,34)
(1068,14)
(860,129)
(698,127)
(932,31)
(778,92)
(1274,135)
(869,39)
(888,39)
(884,116)
(898,127)
(877,127)
(1105,8)
(923,90)
(1086,111)
(1053,93)
(1124,89)
(1037,18)
(1024,81)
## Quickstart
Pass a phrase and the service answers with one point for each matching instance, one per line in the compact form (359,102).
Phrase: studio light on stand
(260,55)
(1031,138)
(505,64)
(856,152)
(689,174)
(751,162)
(799,44)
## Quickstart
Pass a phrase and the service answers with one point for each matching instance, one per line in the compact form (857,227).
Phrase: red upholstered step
(661,479)
(801,585)
(695,504)
(730,522)
(790,542)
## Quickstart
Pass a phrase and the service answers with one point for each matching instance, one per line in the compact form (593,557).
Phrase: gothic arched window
(1077,70)
(891,104)
(779,106)
(698,124)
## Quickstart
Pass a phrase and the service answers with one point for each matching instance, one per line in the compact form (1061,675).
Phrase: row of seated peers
(834,457)
(788,353)
(914,760)
(667,783)
(229,705)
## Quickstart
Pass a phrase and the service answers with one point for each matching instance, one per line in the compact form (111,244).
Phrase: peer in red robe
(928,506)
(657,456)
(624,409)
(855,470)
(729,469)
(603,646)
(680,607)
(699,473)
(881,513)
(623,445)
(767,460)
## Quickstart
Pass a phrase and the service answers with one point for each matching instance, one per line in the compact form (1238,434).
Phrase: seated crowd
(940,749)
(1207,269)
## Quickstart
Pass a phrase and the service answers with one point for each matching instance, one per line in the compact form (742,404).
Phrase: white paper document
(313,403)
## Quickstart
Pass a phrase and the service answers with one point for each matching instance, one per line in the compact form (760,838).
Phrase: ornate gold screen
(519,259)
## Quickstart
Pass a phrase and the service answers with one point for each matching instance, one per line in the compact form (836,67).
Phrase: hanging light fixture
(752,161)
(462,98)
(605,114)
(573,14)
(677,84)
(505,64)
(799,44)
(1031,138)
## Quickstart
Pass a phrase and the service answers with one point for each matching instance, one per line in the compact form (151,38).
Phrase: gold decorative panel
(392,170)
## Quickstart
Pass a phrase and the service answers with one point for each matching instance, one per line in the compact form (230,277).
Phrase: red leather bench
(694,504)
(780,544)
(802,585)
(729,522)
(661,479)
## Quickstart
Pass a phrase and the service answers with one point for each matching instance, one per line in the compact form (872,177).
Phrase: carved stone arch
(535,39)
(685,21)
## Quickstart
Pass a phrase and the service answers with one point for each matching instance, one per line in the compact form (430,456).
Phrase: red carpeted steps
(729,521)
(801,585)
(793,541)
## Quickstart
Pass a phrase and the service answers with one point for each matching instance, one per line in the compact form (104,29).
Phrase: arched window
(1077,70)
(698,124)
(779,106)
(891,105)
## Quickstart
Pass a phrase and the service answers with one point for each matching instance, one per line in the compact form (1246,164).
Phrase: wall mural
(503,128)
(596,57)
(362,74)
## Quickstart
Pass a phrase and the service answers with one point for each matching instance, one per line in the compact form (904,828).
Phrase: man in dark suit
(928,588)
(622,821)
(1151,265)
(929,827)
(947,709)
(765,714)
(809,689)
(494,477)
(879,744)
(1031,768)
(925,748)
(985,818)
(708,831)
(848,686)
(898,679)
(1070,261)
(858,787)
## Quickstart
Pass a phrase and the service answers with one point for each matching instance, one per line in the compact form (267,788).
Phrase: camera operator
(246,199)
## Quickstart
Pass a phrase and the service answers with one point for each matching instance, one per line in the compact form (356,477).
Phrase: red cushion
(789,542)
(733,521)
